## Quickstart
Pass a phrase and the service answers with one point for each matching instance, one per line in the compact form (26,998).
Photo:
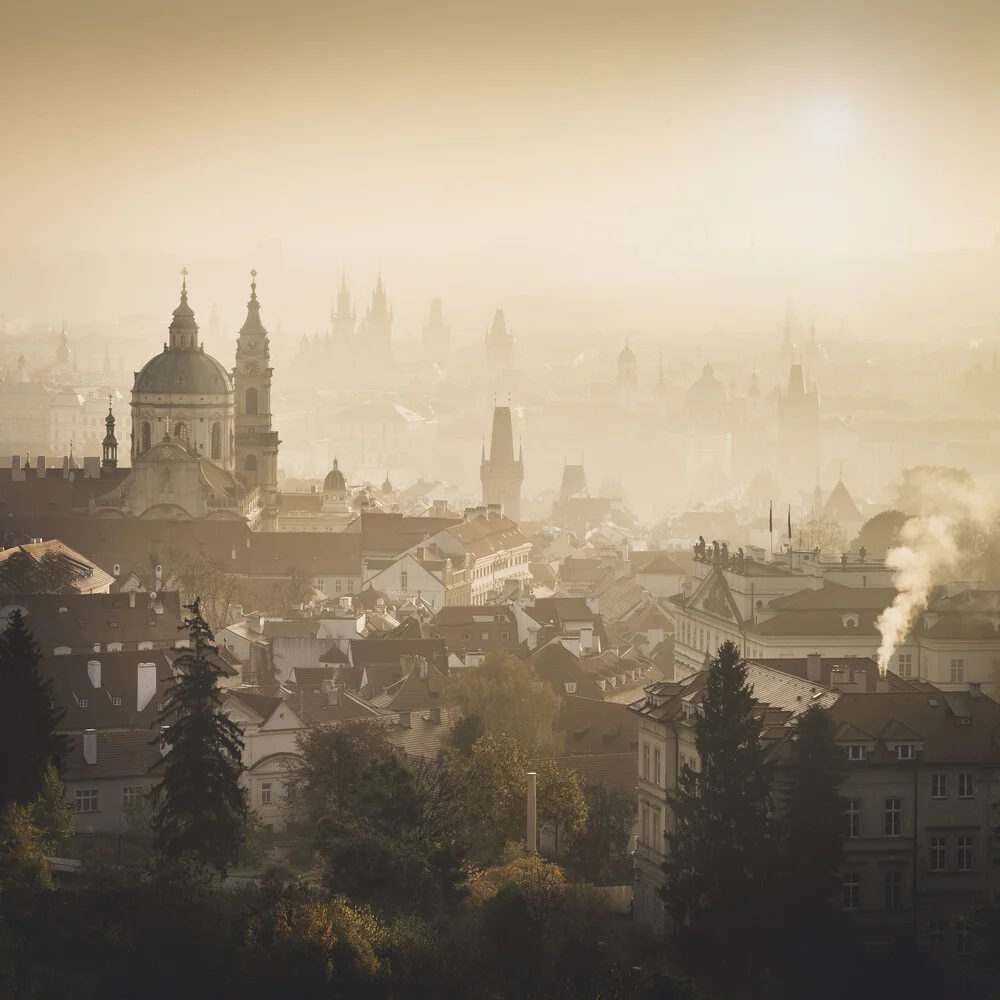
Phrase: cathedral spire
(109,459)
(183,328)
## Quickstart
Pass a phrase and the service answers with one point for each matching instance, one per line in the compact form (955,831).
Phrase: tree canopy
(509,698)
(200,807)
(28,717)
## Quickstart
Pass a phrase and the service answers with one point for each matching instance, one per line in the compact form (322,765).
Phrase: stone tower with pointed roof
(499,343)
(501,474)
(627,366)
(375,336)
(256,442)
(342,319)
(798,429)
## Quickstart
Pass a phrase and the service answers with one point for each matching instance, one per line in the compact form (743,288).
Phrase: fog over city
(487,480)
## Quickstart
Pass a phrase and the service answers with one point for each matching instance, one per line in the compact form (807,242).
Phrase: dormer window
(849,620)
(857,751)
(570,687)
(906,751)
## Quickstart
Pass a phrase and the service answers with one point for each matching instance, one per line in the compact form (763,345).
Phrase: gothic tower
(499,343)
(500,474)
(799,442)
(376,331)
(256,443)
(342,321)
(109,446)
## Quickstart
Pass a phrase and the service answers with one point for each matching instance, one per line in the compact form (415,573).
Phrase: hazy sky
(355,132)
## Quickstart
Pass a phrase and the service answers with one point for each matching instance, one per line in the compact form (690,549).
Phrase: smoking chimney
(532,830)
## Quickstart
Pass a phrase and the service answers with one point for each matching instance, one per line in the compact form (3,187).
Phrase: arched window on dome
(181,432)
(251,405)
(216,441)
(146,435)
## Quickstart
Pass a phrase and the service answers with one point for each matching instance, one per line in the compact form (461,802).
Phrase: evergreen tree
(717,867)
(52,812)
(200,808)
(28,717)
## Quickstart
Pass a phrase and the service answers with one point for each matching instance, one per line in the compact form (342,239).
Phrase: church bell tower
(256,444)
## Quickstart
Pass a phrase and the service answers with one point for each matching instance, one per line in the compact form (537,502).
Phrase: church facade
(202,445)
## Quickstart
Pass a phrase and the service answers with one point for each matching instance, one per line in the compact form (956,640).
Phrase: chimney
(90,746)
(404,720)
(40,467)
(131,598)
(94,672)
(975,689)
(814,667)
(92,467)
(881,687)
(145,687)
(16,472)
(532,834)
(594,605)
(423,667)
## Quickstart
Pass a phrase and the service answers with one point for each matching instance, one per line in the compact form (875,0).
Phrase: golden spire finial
(184,279)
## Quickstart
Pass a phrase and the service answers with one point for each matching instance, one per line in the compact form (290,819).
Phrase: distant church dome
(335,481)
(183,367)
(627,356)
(708,390)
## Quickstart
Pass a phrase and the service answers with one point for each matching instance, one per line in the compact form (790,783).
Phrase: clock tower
(256,444)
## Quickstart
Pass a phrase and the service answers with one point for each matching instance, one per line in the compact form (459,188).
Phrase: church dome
(335,481)
(627,356)
(183,371)
(183,367)
(708,390)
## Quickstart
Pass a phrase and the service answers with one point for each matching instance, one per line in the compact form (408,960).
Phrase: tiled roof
(292,628)
(660,564)
(944,740)
(836,597)
(592,726)
(484,536)
(260,704)
(119,755)
(87,707)
(469,614)
(93,618)
(852,670)
(395,533)
(424,736)
(618,772)
(369,652)
(622,598)
(90,576)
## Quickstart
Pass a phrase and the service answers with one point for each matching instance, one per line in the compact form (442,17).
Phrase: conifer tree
(28,717)
(717,867)
(200,807)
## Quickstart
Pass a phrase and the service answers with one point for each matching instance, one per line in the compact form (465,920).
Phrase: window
(505,635)
(905,751)
(683,762)
(132,796)
(350,586)
(484,636)
(939,854)
(265,793)
(856,752)
(966,785)
(87,800)
(83,703)
(853,818)
(851,889)
(570,687)
(250,463)
(116,702)
(645,761)
(216,441)
(962,944)
(338,586)
(939,786)
(905,664)
(645,823)
(937,931)
(892,824)
(656,767)
(964,860)
(404,579)
(251,402)
(146,434)
(467,636)
(957,671)
(892,889)
(657,843)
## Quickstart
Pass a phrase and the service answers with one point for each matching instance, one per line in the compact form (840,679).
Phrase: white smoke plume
(928,552)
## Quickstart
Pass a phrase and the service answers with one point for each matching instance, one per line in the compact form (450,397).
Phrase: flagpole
(770,527)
